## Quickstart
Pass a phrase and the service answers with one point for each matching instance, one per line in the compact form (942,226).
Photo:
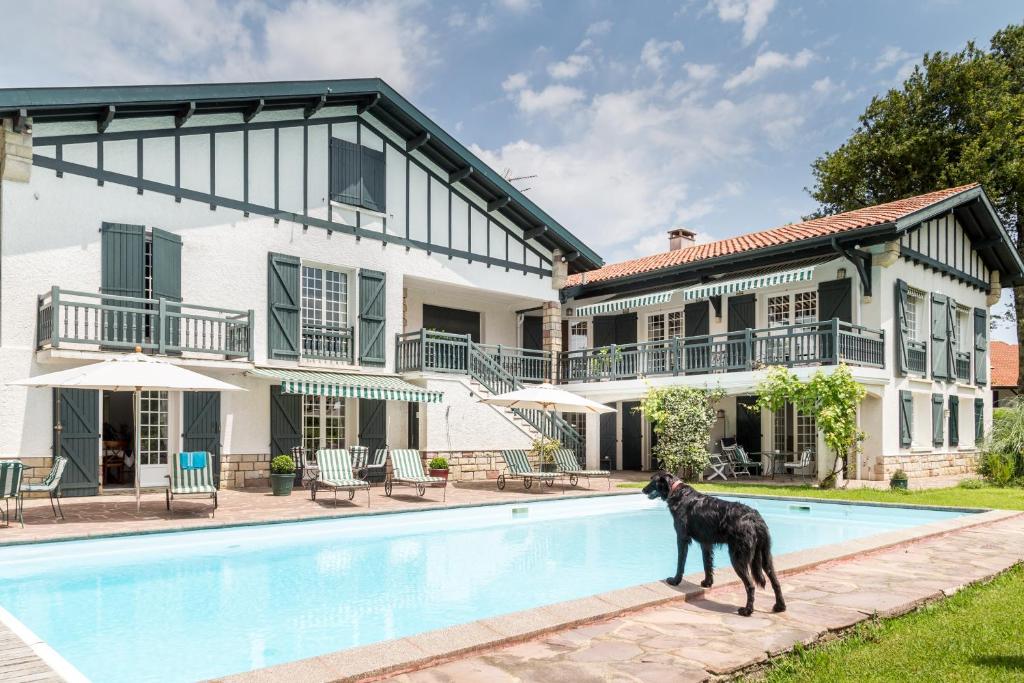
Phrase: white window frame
(154,414)
(349,290)
(917,314)
(579,329)
(321,412)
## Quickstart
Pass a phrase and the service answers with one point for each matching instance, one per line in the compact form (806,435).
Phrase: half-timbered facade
(301,240)
(898,292)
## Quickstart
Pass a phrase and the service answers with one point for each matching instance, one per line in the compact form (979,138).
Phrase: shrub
(282,464)
(545,449)
(1002,459)
(682,418)
(971,484)
(438,463)
(899,475)
(997,468)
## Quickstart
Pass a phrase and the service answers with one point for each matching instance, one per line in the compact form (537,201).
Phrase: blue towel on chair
(192,460)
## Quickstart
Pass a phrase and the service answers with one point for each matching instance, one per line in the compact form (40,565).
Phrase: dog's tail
(762,559)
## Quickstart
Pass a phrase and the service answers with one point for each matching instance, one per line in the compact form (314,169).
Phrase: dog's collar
(676,484)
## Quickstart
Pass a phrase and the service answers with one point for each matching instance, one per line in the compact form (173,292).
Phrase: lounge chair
(806,460)
(719,466)
(744,461)
(517,466)
(189,480)
(407,470)
(730,455)
(50,485)
(566,462)
(11,472)
(372,469)
(336,473)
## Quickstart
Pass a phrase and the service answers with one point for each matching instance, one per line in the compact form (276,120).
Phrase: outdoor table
(776,458)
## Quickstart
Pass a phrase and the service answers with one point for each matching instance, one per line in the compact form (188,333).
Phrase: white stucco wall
(461,422)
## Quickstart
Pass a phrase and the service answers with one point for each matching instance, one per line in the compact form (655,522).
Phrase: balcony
(328,342)
(84,320)
(432,351)
(821,343)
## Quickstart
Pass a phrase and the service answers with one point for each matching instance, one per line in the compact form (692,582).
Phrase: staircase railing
(455,353)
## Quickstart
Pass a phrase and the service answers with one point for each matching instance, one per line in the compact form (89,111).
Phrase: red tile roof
(794,232)
(1004,364)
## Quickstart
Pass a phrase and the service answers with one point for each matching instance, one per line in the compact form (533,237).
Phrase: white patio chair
(719,467)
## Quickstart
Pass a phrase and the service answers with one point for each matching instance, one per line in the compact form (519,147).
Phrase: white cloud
(823,86)
(599,28)
(753,14)
(516,81)
(137,41)
(655,53)
(766,63)
(551,98)
(700,72)
(891,56)
(519,6)
(572,67)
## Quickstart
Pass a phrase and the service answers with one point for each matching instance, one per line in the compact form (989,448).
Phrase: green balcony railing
(819,343)
(106,321)
(328,342)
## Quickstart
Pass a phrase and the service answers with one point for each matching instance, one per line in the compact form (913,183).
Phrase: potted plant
(545,449)
(282,475)
(438,467)
(898,480)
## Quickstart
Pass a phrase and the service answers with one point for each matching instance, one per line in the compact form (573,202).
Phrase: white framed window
(805,307)
(153,428)
(579,423)
(675,324)
(579,335)
(779,426)
(917,317)
(778,310)
(793,309)
(806,434)
(323,422)
(324,297)
(656,327)
(964,339)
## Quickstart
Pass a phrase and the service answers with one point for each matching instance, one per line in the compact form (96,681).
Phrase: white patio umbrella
(547,397)
(133,372)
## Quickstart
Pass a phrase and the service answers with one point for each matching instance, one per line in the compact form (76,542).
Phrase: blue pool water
(193,605)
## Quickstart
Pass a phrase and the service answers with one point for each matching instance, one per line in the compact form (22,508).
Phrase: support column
(552,329)
(15,151)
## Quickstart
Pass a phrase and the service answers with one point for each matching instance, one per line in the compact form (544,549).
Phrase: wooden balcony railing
(442,352)
(821,343)
(328,342)
(163,326)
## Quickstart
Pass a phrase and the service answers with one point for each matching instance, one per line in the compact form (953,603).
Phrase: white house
(899,292)
(295,239)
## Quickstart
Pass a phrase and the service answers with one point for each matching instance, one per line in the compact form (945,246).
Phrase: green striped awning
(348,385)
(626,303)
(740,284)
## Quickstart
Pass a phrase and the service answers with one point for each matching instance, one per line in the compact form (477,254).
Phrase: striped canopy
(348,385)
(756,281)
(626,303)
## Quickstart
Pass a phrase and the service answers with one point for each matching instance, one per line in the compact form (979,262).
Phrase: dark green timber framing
(371,97)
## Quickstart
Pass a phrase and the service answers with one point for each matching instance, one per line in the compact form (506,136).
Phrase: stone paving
(116,514)
(704,639)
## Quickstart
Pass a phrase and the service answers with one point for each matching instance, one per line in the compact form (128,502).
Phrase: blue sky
(634,116)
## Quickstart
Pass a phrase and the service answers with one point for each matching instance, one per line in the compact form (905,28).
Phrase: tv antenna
(507,175)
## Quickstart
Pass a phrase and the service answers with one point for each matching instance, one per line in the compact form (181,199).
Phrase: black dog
(711,521)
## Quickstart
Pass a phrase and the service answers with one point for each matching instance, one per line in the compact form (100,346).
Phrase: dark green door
(696,352)
(741,318)
(748,424)
(609,439)
(632,437)
(285,424)
(834,301)
(202,426)
(373,423)
(80,440)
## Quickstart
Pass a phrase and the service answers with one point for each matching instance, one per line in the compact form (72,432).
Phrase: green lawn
(973,636)
(958,496)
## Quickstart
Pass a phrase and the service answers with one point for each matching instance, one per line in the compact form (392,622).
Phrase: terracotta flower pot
(439,473)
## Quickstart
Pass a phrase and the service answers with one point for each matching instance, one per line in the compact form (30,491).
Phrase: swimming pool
(198,604)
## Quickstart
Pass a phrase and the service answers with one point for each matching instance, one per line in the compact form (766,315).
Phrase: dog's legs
(769,569)
(708,551)
(682,547)
(741,565)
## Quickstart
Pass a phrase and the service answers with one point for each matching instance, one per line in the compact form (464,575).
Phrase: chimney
(680,238)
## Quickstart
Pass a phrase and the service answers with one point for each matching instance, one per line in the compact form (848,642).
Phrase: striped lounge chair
(517,466)
(407,470)
(50,485)
(567,464)
(11,472)
(336,474)
(191,482)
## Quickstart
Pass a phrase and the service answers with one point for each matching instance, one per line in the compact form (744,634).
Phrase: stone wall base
(472,465)
(244,470)
(924,465)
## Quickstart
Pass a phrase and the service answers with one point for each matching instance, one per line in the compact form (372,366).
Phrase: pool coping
(400,655)
(41,649)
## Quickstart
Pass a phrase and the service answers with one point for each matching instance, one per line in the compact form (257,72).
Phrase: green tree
(682,418)
(958,119)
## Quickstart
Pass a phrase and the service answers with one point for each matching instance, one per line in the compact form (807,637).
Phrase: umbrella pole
(58,427)
(137,409)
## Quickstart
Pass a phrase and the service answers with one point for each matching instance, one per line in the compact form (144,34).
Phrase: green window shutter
(344,171)
(951,339)
(938,436)
(167,279)
(283,306)
(374,181)
(906,419)
(979,420)
(980,346)
(285,421)
(940,342)
(372,310)
(902,329)
(954,420)
(122,273)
